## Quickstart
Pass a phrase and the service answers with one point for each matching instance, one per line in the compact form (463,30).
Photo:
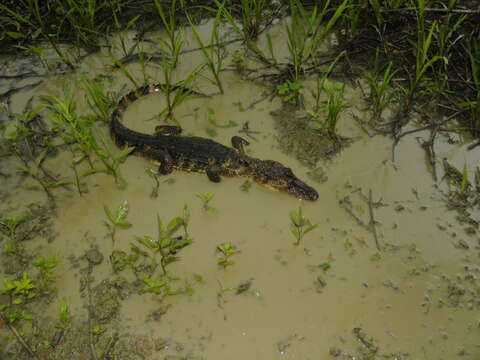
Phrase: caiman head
(275,176)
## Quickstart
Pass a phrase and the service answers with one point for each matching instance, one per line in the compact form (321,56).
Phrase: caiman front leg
(213,172)
(168,130)
(166,163)
(238,143)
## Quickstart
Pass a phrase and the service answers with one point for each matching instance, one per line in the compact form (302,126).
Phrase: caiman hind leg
(238,144)
(168,130)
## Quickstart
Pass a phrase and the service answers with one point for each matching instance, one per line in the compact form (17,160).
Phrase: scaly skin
(192,153)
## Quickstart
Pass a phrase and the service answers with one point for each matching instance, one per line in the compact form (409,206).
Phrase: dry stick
(346,204)
(454,11)
(19,337)
(429,126)
(372,227)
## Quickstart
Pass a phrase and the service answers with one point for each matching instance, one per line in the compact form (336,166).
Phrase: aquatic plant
(206,198)
(46,276)
(174,34)
(9,223)
(380,89)
(18,292)
(214,52)
(300,224)
(165,243)
(226,250)
(117,220)
(64,318)
(422,59)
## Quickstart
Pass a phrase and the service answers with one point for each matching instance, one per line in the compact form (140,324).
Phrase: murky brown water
(399,297)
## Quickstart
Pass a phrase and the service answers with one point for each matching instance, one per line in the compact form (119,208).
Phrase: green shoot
(379,95)
(289,90)
(300,225)
(154,174)
(175,37)
(46,276)
(9,223)
(206,198)
(226,250)
(117,220)
(166,244)
(64,320)
(214,53)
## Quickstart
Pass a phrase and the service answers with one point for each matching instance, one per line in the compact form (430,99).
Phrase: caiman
(192,153)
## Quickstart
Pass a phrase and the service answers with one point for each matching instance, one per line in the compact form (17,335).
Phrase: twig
(372,227)
(453,11)
(346,204)
(19,337)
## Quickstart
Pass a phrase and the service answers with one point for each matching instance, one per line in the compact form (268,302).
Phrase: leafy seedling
(154,174)
(166,244)
(300,225)
(117,220)
(289,90)
(226,250)
(64,320)
(206,198)
(9,223)
(46,267)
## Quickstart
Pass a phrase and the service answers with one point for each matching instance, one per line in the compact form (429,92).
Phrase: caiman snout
(303,191)
(274,175)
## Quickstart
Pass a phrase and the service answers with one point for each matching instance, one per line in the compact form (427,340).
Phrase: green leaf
(109,214)
(174,224)
(15,35)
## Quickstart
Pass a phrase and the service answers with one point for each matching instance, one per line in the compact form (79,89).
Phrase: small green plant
(64,320)
(17,314)
(46,267)
(117,220)
(97,330)
(422,59)
(9,223)
(214,52)
(155,286)
(226,250)
(18,292)
(289,90)
(300,225)
(174,35)
(120,260)
(334,108)
(206,198)
(154,174)
(166,244)
(380,95)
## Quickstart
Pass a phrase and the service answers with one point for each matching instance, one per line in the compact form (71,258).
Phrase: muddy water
(304,301)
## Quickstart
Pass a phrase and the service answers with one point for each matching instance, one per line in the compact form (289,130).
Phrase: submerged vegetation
(417,63)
